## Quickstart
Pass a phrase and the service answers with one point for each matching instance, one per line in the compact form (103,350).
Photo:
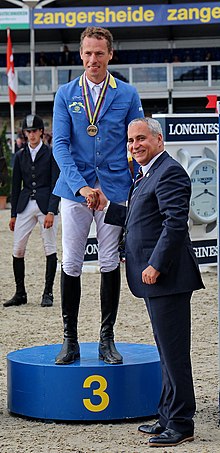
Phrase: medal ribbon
(92,116)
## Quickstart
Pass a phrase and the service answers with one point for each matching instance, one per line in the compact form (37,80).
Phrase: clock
(203,203)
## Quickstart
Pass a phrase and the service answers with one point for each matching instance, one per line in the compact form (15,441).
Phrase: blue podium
(87,390)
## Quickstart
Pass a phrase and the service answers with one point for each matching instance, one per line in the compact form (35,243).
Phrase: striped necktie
(139,177)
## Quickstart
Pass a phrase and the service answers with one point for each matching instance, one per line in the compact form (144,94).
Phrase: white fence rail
(151,80)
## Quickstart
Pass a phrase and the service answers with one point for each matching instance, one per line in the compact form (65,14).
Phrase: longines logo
(206,251)
(193,128)
(91,251)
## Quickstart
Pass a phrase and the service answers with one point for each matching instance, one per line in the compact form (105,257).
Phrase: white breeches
(25,223)
(76,221)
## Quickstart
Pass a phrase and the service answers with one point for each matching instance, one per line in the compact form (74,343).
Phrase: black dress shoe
(156,428)
(109,353)
(170,438)
(16,300)
(47,300)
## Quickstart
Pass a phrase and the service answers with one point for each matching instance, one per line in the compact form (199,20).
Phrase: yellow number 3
(100,391)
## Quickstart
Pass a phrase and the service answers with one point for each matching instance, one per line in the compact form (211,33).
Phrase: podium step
(87,390)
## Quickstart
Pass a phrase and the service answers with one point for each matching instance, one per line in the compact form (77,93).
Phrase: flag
(12,82)
(212,102)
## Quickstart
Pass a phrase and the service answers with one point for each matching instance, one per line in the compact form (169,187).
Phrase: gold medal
(92,116)
(92,130)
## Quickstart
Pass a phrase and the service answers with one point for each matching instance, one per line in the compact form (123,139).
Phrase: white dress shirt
(34,151)
(146,168)
(95,89)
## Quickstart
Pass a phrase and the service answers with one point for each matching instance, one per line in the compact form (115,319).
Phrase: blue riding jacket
(83,159)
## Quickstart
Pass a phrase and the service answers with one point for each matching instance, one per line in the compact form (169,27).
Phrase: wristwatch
(202,171)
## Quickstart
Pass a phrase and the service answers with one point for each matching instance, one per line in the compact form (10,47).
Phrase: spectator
(208,56)
(48,138)
(66,57)
(42,60)
(115,59)
(19,142)
(176,59)
(53,61)
(9,143)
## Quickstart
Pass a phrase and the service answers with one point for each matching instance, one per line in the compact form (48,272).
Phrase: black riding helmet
(32,122)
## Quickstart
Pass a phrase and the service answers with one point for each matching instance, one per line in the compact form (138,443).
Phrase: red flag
(12,82)
(212,104)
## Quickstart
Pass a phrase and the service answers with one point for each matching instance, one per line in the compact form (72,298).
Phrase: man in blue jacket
(91,115)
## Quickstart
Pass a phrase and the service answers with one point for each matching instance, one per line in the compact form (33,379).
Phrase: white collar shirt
(95,89)
(34,151)
(146,168)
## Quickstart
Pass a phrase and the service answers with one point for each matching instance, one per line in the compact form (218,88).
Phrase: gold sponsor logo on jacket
(76,107)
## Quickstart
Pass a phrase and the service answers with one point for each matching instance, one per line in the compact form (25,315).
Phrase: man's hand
(12,223)
(48,221)
(90,196)
(95,198)
(102,200)
(149,275)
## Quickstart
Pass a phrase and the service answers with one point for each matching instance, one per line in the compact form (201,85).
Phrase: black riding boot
(109,292)
(70,299)
(20,296)
(51,267)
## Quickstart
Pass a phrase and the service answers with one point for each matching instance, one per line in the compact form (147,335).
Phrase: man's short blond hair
(98,33)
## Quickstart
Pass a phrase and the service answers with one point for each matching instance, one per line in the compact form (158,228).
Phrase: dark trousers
(171,322)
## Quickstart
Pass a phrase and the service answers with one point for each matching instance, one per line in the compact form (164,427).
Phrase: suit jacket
(156,231)
(83,159)
(37,178)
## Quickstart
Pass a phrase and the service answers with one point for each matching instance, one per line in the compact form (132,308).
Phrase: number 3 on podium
(100,391)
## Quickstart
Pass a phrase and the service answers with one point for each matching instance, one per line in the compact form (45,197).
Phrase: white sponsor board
(14,18)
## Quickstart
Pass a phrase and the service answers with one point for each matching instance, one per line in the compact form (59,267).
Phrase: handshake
(95,198)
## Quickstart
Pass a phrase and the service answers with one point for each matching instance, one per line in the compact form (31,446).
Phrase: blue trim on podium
(87,390)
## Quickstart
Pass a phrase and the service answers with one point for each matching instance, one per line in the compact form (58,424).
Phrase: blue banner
(127,16)
(184,129)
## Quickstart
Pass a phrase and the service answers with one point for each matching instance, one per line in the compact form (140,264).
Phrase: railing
(151,80)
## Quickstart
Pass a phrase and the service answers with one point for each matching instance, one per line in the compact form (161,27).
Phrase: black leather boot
(51,267)
(70,299)
(20,296)
(109,292)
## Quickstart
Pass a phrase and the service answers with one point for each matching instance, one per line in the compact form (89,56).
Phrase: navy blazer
(38,178)
(156,231)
